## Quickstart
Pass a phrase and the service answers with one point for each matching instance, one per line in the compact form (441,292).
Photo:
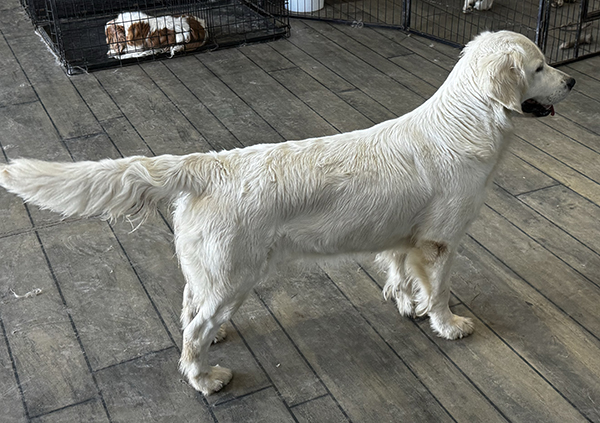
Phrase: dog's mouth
(537,109)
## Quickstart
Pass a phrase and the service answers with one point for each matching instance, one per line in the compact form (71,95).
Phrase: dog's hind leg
(197,337)
(188,313)
(429,263)
(214,306)
(398,285)
(212,295)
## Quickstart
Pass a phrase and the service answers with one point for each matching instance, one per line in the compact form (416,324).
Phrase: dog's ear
(504,78)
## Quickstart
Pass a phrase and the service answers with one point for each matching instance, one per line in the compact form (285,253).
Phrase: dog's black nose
(571,83)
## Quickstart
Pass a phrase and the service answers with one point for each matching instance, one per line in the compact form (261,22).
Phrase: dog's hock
(433,250)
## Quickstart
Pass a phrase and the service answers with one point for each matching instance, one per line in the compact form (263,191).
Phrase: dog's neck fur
(475,117)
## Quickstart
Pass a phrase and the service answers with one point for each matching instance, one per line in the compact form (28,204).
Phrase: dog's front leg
(431,262)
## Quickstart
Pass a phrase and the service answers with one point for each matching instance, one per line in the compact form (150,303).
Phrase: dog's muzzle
(538,109)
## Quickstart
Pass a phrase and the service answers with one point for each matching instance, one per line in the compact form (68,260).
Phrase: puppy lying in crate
(135,34)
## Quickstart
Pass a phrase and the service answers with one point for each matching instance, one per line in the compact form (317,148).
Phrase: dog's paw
(221,335)
(212,381)
(457,328)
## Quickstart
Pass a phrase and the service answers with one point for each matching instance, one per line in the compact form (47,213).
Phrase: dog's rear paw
(212,381)
(457,328)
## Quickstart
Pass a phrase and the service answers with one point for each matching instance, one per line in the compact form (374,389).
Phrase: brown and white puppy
(135,34)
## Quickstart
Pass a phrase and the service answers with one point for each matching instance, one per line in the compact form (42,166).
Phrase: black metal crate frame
(75,29)
(565,32)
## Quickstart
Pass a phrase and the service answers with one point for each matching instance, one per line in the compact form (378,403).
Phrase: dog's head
(512,71)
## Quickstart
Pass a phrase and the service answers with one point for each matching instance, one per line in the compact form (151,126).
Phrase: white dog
(407,188)
(477,5)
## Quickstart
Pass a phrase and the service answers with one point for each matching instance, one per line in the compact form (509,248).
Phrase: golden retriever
(407,189)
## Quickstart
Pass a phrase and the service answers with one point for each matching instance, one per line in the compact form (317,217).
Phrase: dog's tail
(107,188)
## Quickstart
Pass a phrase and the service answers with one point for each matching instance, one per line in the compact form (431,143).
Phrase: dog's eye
(540,68)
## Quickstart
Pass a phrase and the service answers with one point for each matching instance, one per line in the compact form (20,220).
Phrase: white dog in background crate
(471,5)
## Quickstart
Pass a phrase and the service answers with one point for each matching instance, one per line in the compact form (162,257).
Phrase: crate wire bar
(565,30)
(77,31)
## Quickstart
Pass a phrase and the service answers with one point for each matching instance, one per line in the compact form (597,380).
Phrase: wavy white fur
(407,188)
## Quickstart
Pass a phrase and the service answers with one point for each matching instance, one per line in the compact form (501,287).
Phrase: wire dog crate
(565,30)
(91,34)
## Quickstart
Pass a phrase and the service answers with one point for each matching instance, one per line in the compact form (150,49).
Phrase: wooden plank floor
(101,341)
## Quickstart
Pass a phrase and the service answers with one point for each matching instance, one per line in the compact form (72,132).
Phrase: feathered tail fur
(107,188)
